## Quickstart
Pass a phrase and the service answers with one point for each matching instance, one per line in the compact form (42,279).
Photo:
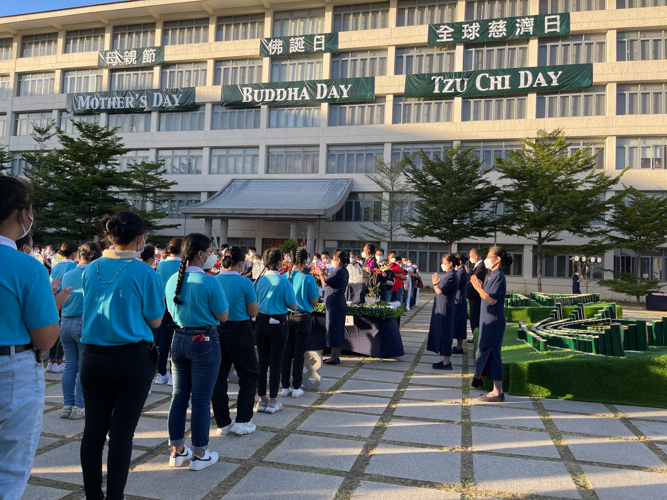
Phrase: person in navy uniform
(492,325)
(576,279)
(441,329)
(478,269)
(460,304)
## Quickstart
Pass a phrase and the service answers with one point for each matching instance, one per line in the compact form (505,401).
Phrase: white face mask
(378,258)
(443,267)
(26,231)
(252,254)
(288,258)
(31,253)
(392,260)
(363,255)
(49,253)
(324,259)
(209,262)
(142,246)
(409,264)
(488,263)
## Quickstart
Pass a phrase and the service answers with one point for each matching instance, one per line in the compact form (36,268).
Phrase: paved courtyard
(388,430)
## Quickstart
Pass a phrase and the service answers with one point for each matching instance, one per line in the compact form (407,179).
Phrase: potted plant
(373,294)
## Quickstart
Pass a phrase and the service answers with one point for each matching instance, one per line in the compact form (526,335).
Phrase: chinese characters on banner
(496,30)
(131,58)
(285,46)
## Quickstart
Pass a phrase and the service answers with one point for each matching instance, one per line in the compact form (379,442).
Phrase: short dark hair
(147,253)
(325,253)
(68,248)
(14,195)
(26,240)
(252,249)
(90,251)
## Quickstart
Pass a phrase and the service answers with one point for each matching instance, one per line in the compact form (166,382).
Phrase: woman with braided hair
(300,323)
(274,297)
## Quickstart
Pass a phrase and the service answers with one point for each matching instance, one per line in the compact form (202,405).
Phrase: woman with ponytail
(443,316)
(274,297)
(460,304)
(237,347)
(198,305)
(300,323)
(491,325)
(335,285)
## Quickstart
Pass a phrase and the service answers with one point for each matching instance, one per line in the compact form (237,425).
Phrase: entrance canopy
(275,199)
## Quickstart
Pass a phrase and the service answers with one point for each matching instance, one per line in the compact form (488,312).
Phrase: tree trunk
(639,270)
(539,266)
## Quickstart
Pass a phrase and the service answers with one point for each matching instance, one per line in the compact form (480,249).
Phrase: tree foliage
(150,190)
(629,284)
(287,246)
(5,161)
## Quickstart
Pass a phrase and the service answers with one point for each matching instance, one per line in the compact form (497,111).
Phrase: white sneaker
(223,431)
(178,459)
(58,368)
(199,463)
(286,392)
(77,413)
(297,393)
(170,381)
(262,405)
(67,409)
(274,407)
(49,367)
(244,428)
(162,379)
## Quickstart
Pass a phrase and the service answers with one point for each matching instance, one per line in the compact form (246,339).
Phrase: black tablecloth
(378,338)
(656,302)
(355,293)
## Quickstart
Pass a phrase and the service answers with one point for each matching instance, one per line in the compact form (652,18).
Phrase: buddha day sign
(486,83)
(294,93)
(131,101)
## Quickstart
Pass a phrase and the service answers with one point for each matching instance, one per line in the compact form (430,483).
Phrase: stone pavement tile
(625,484)
(52,376)
(591,425)
(333,371)
(161,388)
(434,358)
(369,388)
(307,399)
(53,424)
(64,463)
(532,444)
(278,420)
(378,375)
(163,411)
(346,424)
(155,479)
(652,430)
(427,368)
(412,343)
(151,432)
(642,412)
(406,357)
(380,491)
(436,380)
(510,401)
(433,394)
(521,475)
(45,441)
(410,350)
(263,482)
(352,402)
(33,492)
(312,451)
(154,397)
(428,409)
(422,464)
(234,446)
(608,451)
(430,433)
(326,384)
(506,416)
(575,406)
(54,394)
(400,366)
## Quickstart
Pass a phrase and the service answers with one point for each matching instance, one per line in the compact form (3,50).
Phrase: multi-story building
(210,43)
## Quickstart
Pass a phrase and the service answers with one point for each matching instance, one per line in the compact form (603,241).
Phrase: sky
(13,7)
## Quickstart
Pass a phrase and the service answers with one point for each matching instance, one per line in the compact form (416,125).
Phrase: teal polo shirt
(74,278)
(166,269)
(274,293)
(60,269)
(25,294)
(305,289)
(239,292)
(119,297)
(202,297)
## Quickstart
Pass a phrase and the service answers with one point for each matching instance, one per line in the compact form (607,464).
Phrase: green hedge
(380,310)
(533,314)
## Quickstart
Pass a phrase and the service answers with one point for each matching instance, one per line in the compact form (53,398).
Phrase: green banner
(294,93)
(497,30)
(130,58)
(492,82)
(285,46)
(131,101)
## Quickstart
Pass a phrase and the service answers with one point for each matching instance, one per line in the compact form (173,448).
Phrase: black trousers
(271,340)
(475,309)
(237,348)
(300,326)
(56,352)
(115,381)
(164,335)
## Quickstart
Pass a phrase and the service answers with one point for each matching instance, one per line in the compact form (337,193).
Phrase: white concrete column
(611,91)
(310,238)
(460,11)
(610,153)
(210,73)
(208,226)
(391,60)
(322,169)
(458,57)
(108,37)
(528,261)
(212,27)
(457,113)
(328,17)
(611,46)
(391,21)
(224,231)
(533,51)
(294,230)
(57,85)
(208,116)
(61,42)
(268,23)
(389,109)
(608,264)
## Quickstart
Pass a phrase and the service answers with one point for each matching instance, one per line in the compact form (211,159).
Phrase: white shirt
(230,272)
(7,242)
(193,269)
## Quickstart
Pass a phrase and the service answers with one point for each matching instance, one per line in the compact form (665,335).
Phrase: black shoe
(441,366)
(331,361)
(476,383)
(485,398)
(470,341)
(456,350)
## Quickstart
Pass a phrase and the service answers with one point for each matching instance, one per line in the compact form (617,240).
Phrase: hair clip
(228,255)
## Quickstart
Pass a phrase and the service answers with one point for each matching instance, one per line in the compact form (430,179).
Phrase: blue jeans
(70,337)
(397,295)
(21,408)
(195,368)
(389,293)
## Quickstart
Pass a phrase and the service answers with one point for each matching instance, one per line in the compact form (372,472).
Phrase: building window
(225,118)
(504,108)
(353,159)
(82,80)
(66,120)
(36,84)
(39,45)
(298,22)
(237,71)
(296,69)
(179,201)
(487,151)
(181,161)
(18,165)
(293,160)
(365,16)
(480,9)
(185,32)
(133,36)
(558,6)
(234,161)
(5,90)
(495,56)
(132,157)
(297,117)
(413,110)
(641,152)
(594,146)
(431,150)
(419,12)
(132,79)
(182,121)
(24,122)
(641,46)
(416,60)
(84,41)
(371,113)
(362,207)
(641,99)
(574,49)
(184,75)
(3,125)
(244,27)
(130,122)
(359,64)
(6,48)
(634,4)
(585,102)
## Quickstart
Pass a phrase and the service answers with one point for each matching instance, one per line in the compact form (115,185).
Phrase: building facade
(210,43)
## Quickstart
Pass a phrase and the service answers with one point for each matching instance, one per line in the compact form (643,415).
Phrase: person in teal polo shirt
(122,300)
(198,305)
(29,324)
(300,323)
